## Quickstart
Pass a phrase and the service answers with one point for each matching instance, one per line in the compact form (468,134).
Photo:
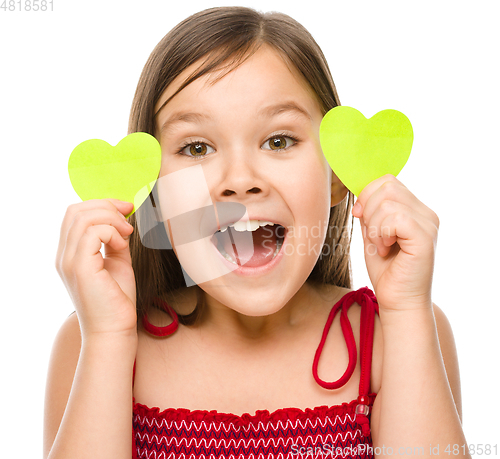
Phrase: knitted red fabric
(322,431)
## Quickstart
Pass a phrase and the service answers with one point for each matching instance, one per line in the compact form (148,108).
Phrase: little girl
(218,348)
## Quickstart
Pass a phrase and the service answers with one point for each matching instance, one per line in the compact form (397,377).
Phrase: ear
(339,190)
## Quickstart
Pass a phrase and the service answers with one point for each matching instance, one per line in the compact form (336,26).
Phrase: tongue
(264,246)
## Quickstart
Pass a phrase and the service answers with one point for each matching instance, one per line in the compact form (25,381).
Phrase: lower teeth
(228,257)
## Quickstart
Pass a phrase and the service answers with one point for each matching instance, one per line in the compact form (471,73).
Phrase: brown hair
(223,38)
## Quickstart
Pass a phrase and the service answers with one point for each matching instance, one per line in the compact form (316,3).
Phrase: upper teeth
(250,225)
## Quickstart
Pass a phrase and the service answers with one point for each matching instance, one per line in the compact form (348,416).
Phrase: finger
(88,218)
(121,254)
(373,244)
(411,235)
(72,210)
(369,247)
(373,186)
(394,190)
(426,229)
(123,207)
(381,235)
(88,257)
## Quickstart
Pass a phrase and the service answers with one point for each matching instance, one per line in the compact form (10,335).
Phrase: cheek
(308,196)
(309,181)
(181,191)
(167,165)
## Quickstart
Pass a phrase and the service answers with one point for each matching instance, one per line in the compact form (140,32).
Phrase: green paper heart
(360,150)
(127,172)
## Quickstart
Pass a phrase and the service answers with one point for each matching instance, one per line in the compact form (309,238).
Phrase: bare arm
(419,404)
(88,403)
(417,409)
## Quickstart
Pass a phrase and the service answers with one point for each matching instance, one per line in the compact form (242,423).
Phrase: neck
(237,329)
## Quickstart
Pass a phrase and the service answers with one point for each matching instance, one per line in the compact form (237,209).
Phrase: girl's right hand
(102,288)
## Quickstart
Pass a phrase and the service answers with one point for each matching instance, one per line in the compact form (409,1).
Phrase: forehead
(263,75)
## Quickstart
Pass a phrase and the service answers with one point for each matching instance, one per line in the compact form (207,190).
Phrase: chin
(253,303)
(253,310)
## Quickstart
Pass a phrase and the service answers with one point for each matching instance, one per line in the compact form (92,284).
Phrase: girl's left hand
(400,237)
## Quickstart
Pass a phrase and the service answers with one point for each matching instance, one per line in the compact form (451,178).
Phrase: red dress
(324,431)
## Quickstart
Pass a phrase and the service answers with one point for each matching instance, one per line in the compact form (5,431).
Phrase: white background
(70,75)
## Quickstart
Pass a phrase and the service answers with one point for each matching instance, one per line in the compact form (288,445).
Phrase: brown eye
(197,149)
(278,143)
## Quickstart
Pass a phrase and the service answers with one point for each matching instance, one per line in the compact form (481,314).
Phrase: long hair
(222,38)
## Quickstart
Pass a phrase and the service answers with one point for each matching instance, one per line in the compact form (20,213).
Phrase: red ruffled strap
(366,299)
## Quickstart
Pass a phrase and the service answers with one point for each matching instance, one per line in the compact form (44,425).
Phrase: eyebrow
(182,117)
(266,112)
(284,107)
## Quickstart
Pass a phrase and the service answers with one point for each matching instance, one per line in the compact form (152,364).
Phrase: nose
(229,192)
(240,177)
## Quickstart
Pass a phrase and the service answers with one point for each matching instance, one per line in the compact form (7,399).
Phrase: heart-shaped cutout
(360,150)
(98,170)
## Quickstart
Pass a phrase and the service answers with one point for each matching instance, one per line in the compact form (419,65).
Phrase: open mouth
(267,241)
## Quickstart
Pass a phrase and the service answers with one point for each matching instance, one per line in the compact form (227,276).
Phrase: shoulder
(354,315)
(354,312)
(377,350)
(447,346)
(60,374)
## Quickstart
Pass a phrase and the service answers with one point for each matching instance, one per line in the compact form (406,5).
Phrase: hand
(102,288)
(400,237)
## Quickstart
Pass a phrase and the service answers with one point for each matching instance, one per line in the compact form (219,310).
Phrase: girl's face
(252,138)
